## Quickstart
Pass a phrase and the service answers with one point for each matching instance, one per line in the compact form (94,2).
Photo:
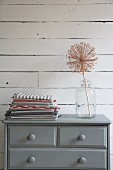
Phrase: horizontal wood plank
(24,63)
(63,96)
(3,109)
(18,79)
(71,80)
(59,94)
(56,12)
(48,63)
(58,2)
(50,46)
(104,63)
(56,30)
(105,109)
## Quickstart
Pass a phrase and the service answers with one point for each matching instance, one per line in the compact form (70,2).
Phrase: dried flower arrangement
(82,58)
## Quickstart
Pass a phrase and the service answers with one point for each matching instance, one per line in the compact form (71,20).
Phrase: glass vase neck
(86,83)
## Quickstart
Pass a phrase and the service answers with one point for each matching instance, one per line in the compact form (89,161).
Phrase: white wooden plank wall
(34,39)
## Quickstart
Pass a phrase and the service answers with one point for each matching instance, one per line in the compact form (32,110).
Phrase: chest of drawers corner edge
(66,143)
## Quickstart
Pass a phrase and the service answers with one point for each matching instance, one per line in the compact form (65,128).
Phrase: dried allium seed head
(82,57)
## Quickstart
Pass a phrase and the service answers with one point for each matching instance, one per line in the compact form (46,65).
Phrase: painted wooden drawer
(32,135)
(82,136)
(56,158)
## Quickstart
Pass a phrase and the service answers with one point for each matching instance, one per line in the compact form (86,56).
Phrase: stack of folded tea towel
(29,106)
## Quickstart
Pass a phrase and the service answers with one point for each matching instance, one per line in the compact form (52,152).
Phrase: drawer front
(32,135)
(82,136)
(56,158)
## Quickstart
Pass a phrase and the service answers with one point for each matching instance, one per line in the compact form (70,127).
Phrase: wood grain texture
(24,63)
(48,63)
(3,109)
(58,2)
(18,79)
(59,79)
(50,46)
(33,63)
(56,30)
(56,13)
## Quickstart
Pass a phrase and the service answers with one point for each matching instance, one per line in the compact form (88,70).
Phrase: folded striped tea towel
(32,96)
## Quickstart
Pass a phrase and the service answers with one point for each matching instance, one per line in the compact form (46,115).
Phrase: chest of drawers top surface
(68,119)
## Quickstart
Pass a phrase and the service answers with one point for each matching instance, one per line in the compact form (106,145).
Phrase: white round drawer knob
(82,137)
(31,137)
(82,160)
(31,159)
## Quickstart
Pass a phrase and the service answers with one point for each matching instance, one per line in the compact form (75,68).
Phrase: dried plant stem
(86,93)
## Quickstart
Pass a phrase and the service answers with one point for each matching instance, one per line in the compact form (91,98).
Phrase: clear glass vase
(85,100)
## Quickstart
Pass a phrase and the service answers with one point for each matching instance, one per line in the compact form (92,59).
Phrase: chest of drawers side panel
(5,147)
(108,147)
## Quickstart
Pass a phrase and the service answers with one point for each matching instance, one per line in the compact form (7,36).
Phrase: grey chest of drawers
(66,143)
